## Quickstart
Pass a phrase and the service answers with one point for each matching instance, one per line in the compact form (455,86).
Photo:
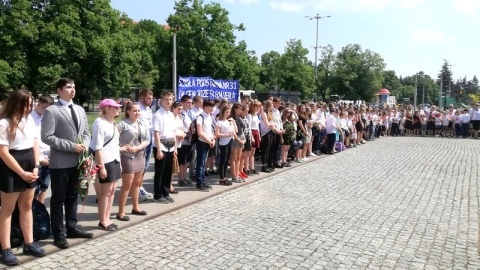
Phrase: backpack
(192,131)
(41,221)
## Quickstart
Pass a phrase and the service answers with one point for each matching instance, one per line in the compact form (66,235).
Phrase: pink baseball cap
(108,102)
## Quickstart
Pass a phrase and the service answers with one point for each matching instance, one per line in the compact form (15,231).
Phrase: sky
(410,35)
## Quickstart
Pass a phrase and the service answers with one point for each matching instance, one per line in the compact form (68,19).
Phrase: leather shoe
(124,218)
(77,233)
(60,241)
(278,166)
(139,213)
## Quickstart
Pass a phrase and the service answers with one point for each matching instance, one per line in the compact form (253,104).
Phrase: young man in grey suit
(65,130)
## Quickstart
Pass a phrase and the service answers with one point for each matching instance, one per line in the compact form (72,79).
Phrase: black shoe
(170,199)
(8,258)
(77,233)
(33,249)
(276,165)
(205,185)
(271,168)
(182,183)
(225,182)
(139,213)
(60,241)
(213,172)
(286,164)
(265,169)
(207,174)
(124,218)
(200,187)
(109,228)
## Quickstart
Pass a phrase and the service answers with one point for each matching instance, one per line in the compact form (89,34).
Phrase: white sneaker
(142,198)
(313,155)
(298,161)
(143,192)
(305,158)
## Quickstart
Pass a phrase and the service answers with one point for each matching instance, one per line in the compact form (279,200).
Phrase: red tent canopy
(384,91)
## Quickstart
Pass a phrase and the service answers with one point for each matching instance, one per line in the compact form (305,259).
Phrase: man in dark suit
(65,130)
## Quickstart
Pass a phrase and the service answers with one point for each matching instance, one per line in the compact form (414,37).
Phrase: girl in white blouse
(19,164)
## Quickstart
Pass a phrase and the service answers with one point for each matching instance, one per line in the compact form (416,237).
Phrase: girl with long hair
(237,146)
(225,128)
(19,165)
(254,121)
(267,125)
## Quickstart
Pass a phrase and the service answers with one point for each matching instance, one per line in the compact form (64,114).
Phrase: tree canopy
(107,53)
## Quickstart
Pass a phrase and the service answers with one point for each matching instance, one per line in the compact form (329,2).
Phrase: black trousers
(331,137)
(225,151)
(265,145)
(273,157)
(162,177)
(64,184)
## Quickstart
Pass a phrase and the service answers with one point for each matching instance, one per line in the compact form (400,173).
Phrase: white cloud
(349,5)
(245,2)
(466,6)
(430,37)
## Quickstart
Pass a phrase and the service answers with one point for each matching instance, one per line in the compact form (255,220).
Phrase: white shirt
(475,114)
(44,148)
(465,118)
(225,128)
(194,112)
(67,104)
(179,128)
(145,116)
(102,131)
(254,121)
(23,139)
(164,122)
(206,122)
(331,124)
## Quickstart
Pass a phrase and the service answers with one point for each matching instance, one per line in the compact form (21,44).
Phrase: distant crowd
(42,145)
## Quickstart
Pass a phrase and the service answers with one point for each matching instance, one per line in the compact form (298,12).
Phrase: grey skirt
(237,144)
(133,165)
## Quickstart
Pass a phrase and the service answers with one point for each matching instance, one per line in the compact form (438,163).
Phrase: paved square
(403,203)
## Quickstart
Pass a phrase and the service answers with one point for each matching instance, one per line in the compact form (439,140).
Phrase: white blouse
(23,139)
(102,131)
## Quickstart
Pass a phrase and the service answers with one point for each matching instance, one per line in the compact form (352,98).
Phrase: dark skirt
(10,181)
(256,137)
(408,124)
(133,165)
(248,145)
(113,172)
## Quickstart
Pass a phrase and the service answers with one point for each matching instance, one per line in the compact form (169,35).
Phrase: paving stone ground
(396,203)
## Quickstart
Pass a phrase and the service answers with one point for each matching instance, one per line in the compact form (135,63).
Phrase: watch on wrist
(37,166)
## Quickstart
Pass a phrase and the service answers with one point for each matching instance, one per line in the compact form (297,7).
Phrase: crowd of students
(40,147)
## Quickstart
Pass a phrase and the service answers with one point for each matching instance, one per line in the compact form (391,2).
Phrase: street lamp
(174,64)
(316,17)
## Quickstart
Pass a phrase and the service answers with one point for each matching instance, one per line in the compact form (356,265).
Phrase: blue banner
(208,88)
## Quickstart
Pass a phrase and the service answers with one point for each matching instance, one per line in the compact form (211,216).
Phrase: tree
(358,74)
(296,71)
(206,40)
(326,68)
(269,70)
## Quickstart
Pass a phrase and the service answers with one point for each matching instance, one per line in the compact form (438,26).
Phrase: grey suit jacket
(60,133)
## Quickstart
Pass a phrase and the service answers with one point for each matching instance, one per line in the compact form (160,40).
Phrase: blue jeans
(148,155)
(44,180)
(202,152)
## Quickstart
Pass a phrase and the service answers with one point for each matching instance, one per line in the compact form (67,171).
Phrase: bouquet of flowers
(88,171)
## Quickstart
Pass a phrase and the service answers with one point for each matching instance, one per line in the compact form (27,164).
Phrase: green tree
(295,70)
(326,68)
(269,70)
(206,40)
(358,74)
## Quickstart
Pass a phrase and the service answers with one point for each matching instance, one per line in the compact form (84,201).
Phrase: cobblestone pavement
(403,203)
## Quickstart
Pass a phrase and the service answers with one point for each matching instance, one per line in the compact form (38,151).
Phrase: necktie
(74,116)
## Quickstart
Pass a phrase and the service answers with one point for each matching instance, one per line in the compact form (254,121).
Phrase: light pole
(316,17)
(415,95)
(174,64)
